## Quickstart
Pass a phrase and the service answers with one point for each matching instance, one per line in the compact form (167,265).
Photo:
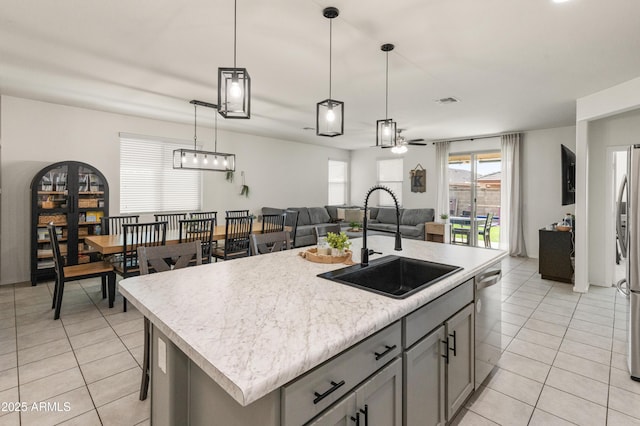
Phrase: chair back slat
(273,223)
(237,233)
(140,234)
(205,215)
(112,225)
(291,220)
(154,259)
(172,219)
(199,230)
(236,213)
(270,242)
(58,260)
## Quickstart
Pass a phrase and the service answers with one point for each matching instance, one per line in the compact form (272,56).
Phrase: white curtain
(511,227)
(442,177)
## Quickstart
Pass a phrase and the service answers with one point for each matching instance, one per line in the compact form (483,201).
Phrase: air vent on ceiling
(449,100)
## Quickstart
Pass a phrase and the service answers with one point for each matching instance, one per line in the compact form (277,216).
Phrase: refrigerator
(628,233)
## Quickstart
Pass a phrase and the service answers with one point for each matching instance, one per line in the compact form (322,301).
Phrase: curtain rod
(497,135)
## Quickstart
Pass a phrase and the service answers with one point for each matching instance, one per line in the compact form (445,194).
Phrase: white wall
(618,130)
(541,181)
(364,175)
(35,134)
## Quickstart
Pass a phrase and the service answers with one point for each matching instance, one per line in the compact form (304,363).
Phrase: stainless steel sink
(392,276)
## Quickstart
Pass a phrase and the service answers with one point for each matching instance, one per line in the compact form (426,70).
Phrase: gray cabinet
(377,402)
(424,385)
(439,374)
(460,374)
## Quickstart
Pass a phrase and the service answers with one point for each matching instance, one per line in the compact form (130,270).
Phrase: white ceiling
(514,64)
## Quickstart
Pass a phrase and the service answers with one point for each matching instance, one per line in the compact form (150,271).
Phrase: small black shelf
(556,251)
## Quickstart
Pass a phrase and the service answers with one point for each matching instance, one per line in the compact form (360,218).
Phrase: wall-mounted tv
(568,176)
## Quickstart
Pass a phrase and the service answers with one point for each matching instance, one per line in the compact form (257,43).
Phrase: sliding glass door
(474,198)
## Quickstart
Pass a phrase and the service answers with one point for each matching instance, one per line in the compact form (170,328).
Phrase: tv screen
(568,176)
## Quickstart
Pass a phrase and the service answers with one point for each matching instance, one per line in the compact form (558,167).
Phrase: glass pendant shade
(234,93)
(386,133)
(329,118)
(196,159)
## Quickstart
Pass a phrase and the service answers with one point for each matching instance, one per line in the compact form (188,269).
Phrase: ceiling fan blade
(417,143)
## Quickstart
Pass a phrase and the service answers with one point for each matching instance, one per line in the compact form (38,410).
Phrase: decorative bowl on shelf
(563,228)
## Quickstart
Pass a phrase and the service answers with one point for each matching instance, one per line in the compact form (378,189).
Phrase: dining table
(113,243)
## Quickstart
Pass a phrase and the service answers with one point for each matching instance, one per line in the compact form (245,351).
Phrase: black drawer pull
(356,419)
(455,345)
(446,350)
(321,396)
(389,349)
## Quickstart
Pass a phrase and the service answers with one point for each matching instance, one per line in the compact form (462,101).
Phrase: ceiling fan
(401,140)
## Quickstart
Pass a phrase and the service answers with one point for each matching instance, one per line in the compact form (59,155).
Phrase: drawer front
(419,323)
(311,394)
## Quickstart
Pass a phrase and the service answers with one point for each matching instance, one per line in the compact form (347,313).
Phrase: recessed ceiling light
(559,1)
(447,100)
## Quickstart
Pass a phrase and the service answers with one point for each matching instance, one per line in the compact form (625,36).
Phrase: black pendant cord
(215,134)
(386,96)
(235,30)
(195,127)
(330,50)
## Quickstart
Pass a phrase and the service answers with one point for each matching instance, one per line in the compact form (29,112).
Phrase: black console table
(556,251)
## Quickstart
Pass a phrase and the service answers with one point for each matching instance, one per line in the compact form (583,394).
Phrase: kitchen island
(252,325)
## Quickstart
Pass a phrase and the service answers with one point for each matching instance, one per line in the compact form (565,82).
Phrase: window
(337,182)
(390,175)
(148,181)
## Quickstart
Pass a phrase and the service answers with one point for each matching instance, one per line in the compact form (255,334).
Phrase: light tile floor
(564,359)
(86,366)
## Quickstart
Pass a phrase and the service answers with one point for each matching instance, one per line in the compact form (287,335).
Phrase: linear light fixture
(234,84)
(196,159)
(330,112)
(386,132)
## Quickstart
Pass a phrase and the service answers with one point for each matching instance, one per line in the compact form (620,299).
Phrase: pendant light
(196,159)
(330,112)
(386,134)
(234,84)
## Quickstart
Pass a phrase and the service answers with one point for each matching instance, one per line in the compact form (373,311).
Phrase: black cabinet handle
(321,396)
(366,414)
(388,349)
(446,350)
(454,343)
(356,419)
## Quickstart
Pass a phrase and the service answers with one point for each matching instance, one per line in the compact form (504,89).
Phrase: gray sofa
(380,220)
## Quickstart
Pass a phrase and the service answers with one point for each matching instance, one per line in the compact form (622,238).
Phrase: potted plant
(354,226)
(444,217)
(338,243)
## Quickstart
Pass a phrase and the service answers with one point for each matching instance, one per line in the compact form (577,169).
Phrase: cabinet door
(424,379)
(342,414)
(460,373)
(379,400)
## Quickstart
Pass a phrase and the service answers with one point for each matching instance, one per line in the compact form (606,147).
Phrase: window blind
(148,181)
(337,182)
(390,175)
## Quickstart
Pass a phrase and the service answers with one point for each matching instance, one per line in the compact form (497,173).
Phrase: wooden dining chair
(273,223)
(236,238)
(102,269)
(136,235)
(112,225)
(270,242)
(291,221)
(199,230)
(172,219)
(154,259)
(322,230)
(236,213)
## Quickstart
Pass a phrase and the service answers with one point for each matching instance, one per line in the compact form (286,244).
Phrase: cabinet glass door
(52,198)
(90,207)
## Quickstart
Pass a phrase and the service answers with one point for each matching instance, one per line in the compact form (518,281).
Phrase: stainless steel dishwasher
(488,329)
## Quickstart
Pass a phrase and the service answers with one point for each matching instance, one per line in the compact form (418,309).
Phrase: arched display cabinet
(74,196)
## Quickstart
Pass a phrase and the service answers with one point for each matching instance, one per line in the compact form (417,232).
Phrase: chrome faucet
(365,252)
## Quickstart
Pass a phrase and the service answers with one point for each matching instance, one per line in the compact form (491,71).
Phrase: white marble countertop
(254,324)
